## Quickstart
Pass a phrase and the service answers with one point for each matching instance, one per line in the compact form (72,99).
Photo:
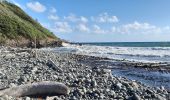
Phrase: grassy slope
(15,23)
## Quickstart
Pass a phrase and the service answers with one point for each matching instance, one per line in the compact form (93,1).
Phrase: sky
(102,20)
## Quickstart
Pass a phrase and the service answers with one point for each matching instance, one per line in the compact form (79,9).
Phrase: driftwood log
(37,89)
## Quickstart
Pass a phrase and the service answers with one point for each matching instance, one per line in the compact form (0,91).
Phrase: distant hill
(19,29)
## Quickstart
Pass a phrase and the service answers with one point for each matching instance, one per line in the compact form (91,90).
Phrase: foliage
(14,23)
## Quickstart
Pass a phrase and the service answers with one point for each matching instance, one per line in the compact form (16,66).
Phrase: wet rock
(53,98)
(134,85)
(27,98)
(95,95)
(1,98)
(101,96)
(77,93)
(9,56)
(162,88)
(160,97)
(149,91)
(73,98)
(98,91)
(119,98)
(34,69)
(118,86)
(134,97)
(84,90)
(12,85)
(89,92)
(106,71)
(112,94)
(22,79)
(93,83)
(52,65)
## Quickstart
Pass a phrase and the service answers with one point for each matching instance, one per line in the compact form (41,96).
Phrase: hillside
(19,29)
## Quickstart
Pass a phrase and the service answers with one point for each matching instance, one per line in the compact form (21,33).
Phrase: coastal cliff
(18,29)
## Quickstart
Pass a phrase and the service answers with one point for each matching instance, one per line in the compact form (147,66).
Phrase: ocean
(147,52)
(130,44)
(132,51)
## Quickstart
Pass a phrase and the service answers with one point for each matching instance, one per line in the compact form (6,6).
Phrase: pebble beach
(85,79)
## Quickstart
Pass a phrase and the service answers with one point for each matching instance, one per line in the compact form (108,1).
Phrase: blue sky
(102,20)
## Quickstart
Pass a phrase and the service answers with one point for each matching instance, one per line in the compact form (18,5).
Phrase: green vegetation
(15,23)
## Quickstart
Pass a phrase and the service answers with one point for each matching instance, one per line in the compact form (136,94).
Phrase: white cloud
(16,3)
(82,28)
(53,10)
(71,18)
(105,18)
(74,18)
(36,6)
(137,27)
(132,28)
(80,24)
(166,30)
(53,17)
(83,19)
(98,30)
(46,25)
(113,29)
(62,27)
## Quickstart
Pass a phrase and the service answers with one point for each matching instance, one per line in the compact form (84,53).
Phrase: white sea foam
(147,54)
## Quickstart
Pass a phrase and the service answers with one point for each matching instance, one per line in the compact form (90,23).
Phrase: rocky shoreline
(85,79)
(25,43)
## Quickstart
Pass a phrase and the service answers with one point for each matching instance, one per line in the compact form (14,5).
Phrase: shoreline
(85,79)
(157,66)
